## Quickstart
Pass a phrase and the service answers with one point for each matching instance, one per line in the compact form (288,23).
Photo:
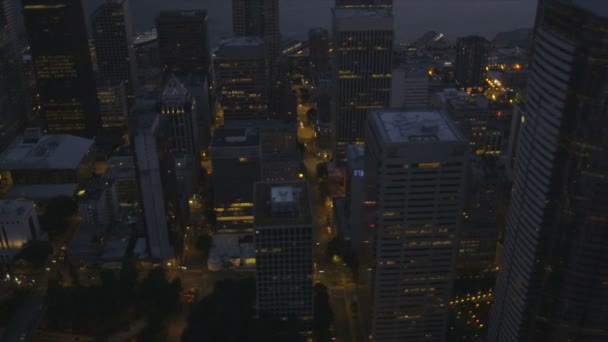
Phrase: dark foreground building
(62,64)
(553,281)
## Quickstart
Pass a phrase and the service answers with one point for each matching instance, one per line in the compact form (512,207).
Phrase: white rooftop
(283,194)
(60,152)
(14,208)
(419,126)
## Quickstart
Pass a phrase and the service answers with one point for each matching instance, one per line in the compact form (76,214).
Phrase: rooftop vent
(284,201)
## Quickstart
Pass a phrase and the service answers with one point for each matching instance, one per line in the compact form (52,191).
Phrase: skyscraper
(113,43)
(236,158)
(183,43)
(318,42)
(363,45)
(12,90)
(153,170)
(283,243)
(415,170)
(552,284)
(261,18)
(364,3)
(62,64)
(258,18)
(113,106)
(178,106)
(242,78)
(471,60)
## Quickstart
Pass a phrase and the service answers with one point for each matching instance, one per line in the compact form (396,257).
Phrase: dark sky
(412,17)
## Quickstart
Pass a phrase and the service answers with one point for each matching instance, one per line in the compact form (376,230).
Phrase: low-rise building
(121,172)
(39,167)
(98,205)
(18,225)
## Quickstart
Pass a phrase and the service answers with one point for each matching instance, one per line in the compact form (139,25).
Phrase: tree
(322,170)
(58,211)
(311,114)
(228,314)
(157,295)
(34,253)
(323,316)
(204,243)
(334,247)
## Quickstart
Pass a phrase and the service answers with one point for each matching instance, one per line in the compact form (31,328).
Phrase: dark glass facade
(62,64)
(183,43)
(552,285)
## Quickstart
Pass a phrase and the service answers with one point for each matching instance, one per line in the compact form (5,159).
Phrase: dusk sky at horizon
(454,18)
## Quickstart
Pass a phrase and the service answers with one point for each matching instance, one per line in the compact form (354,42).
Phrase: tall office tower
(415,171)
(363,45)
(485,124)
(178,106)
(152,170)
(259,18)
(519,112)
(554,269)
(356,231)
(410,87)
(113,107)
(283,243)
(240,67)
(62,64)
(235,154)
(281,158)
(323,127)
(318,45)
(364,3)
(113,44)
(12,90)
(471,60)
(183,43)
(485,195)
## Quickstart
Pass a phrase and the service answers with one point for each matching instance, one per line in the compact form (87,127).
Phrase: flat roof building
(415,166)
(283,242)
(37,166)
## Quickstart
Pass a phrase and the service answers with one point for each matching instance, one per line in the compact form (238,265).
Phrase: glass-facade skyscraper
(363,46)
(553,280)
(62,64)
(113,46)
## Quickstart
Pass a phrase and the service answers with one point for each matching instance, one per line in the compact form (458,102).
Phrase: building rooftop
(120,167)
(415,126)
(10,208)
(355,155)
(181,14)
(235,137)
(59,152)
(242,41)
(282,204)
(174,89)
(94,190)
(41,192)
(353,12)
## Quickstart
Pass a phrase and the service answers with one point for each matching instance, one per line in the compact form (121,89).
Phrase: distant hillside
(517,38)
